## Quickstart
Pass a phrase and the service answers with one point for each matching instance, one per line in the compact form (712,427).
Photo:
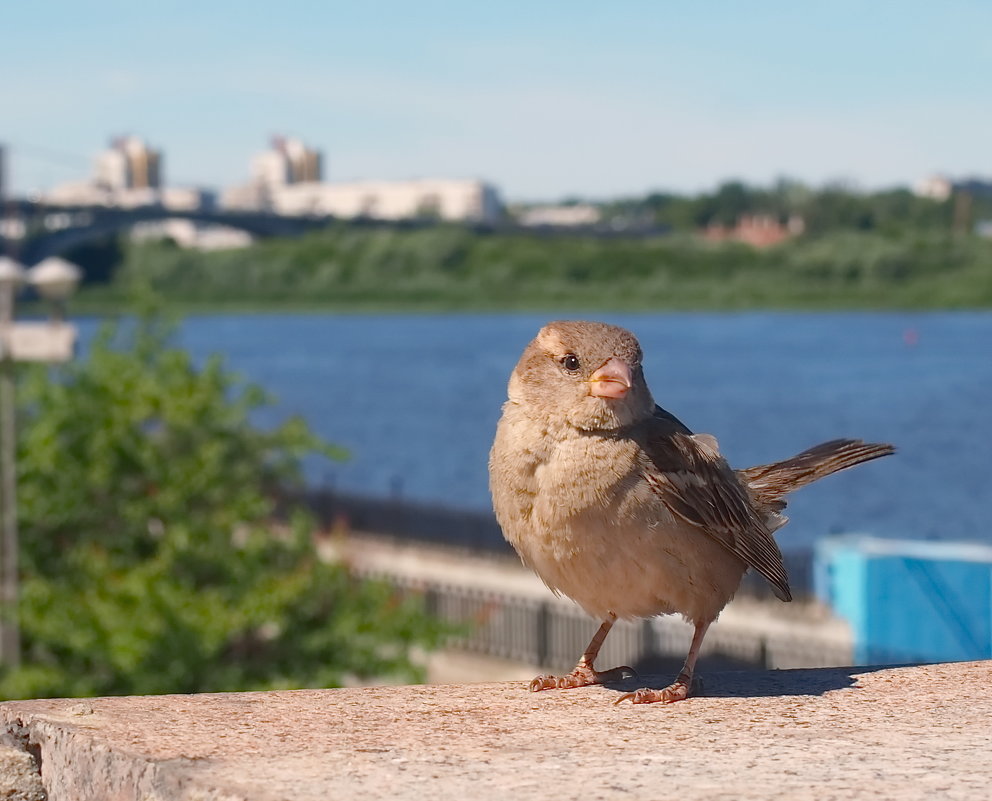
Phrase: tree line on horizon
(829,208)
(886,249)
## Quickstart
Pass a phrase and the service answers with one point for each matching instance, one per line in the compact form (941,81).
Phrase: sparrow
(617,505)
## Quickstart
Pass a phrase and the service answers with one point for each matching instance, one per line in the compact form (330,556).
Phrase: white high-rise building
(129,164)
(289,161)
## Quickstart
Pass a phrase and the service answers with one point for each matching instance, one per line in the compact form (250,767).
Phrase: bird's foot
(676,691)
(582,676)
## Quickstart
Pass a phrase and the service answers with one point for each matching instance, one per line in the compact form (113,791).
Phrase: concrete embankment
(833,733)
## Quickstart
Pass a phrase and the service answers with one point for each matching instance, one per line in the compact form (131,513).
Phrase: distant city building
(757,230)
(286,179)
(575,215)
(187,198)
(453,200)
(289,161)
(940,187)
(88,193)
(935,187)
(245,197)
(129,164)
(128,175)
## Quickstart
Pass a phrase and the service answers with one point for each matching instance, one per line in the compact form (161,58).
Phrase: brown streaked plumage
(615,503)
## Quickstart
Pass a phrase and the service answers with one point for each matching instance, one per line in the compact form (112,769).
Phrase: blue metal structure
(906,600)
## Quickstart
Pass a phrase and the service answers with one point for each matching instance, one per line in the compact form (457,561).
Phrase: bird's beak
(612,380)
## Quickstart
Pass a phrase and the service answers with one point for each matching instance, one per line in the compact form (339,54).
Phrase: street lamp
(55,280)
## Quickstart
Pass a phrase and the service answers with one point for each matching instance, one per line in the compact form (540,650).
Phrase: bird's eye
(570,362)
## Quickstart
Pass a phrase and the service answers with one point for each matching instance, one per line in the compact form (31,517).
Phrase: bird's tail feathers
(771,482)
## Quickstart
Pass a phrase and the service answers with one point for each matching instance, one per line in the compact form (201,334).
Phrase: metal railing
(551,634)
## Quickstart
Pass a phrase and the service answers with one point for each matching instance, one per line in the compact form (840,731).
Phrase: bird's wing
(664,419)
(688,474)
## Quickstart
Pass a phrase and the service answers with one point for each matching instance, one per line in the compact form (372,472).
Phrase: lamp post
(55,280)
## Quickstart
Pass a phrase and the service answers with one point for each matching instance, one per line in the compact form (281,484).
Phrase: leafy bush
(150,558)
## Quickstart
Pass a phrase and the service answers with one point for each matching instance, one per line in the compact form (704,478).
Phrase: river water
(416,398)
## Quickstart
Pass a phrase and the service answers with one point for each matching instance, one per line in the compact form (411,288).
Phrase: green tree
(151,559)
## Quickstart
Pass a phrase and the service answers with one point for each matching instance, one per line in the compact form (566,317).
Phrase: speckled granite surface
(898,733)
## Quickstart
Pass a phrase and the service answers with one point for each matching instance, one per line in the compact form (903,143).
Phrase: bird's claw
(581,677)
(678,691)
(543,682)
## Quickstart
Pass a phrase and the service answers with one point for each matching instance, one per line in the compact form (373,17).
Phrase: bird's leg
(679,689)
(584,673)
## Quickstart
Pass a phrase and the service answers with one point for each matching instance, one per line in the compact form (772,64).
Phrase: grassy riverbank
(450,268)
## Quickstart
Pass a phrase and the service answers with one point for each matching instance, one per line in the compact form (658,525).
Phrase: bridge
(49,230)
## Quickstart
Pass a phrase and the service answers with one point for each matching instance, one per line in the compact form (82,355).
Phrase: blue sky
(546,100)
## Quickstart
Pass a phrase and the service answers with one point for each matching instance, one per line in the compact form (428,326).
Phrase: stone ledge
(898,733)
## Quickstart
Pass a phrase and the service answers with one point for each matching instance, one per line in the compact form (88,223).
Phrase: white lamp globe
(54,278)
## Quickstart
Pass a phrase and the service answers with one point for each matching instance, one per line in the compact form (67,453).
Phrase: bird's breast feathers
(578,511)
(571,474)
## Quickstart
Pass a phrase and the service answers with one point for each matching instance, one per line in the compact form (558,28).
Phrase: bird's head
(586,374)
